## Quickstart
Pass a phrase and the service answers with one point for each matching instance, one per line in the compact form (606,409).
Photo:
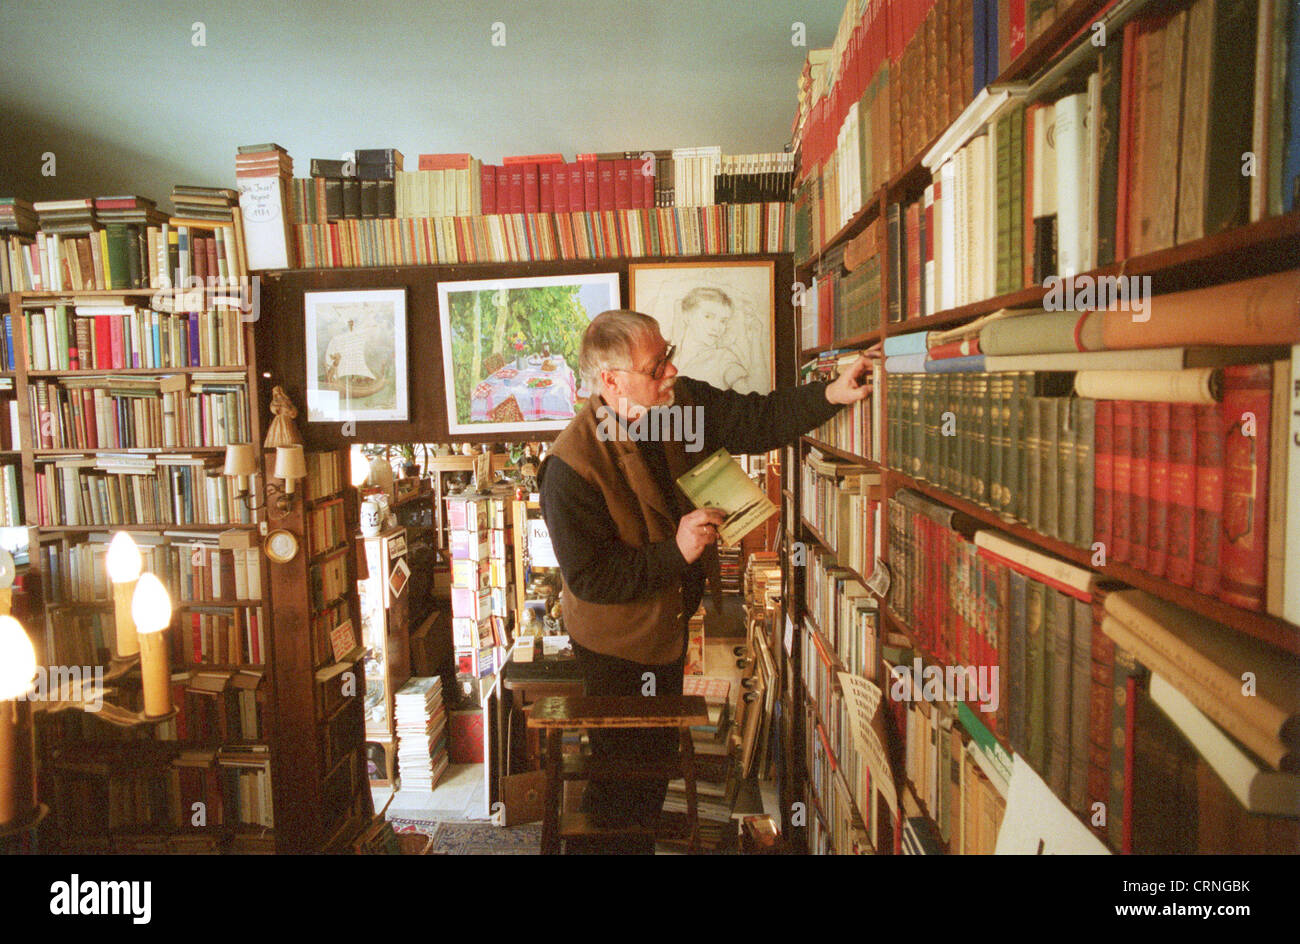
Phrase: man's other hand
(698,530)
(853,384)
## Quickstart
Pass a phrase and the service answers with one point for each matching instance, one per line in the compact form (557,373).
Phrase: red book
(591,185)
(545,188)
(577,192)
(560,187)
(1122,481)
(1140,485)
(115,342)
(487,187)
(516,188)
(912,232)
(963,348)
(1180,540)
(445,162)
(1209,498)
(1246,409)
(1158,509)
(103,342)
(647,185)
(1016,10)
(623,170)
(533,159)
(532,194)
(605,171)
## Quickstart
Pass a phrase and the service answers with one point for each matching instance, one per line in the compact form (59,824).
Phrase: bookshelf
(1053,62)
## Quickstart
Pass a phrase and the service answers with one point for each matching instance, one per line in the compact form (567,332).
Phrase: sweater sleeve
(597,565)
(750,423)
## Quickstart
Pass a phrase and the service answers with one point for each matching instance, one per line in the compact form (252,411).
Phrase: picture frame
(721,316)
(510,349)
(356,355)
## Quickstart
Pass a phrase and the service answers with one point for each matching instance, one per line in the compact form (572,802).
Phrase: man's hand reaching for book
(698,530)
(853,384)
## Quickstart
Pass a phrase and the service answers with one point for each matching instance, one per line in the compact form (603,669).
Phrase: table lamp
(124,565)
(151,608)
(17,770)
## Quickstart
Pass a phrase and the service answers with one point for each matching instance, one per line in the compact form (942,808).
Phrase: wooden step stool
(555,715)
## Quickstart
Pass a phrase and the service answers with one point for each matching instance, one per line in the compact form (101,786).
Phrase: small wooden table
(555,715)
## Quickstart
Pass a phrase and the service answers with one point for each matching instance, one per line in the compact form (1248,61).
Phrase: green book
(1084,434)
(1015,658)
(1034,463)
(1069,475)
(1017,198)
(1080,704)
(1050,494)
(984,439)
(1035,679)
(1002,145)
(118,244)
(719,482)
(1059,701)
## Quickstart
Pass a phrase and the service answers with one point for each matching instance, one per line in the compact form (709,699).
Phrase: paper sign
(342,639)
(862,698)
(397,579)
(1038,823)
(539,544)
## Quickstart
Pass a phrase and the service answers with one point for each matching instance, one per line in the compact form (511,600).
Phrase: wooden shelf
(110,372)
(841,453)
(176,604)
(1270,629)
(133,450)
(90,528)
(864,340)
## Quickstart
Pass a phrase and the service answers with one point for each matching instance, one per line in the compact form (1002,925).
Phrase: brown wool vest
(651,630)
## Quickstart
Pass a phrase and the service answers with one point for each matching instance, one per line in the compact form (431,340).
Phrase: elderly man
(632,553)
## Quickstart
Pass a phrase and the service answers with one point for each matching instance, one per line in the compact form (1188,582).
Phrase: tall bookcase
(1055,57)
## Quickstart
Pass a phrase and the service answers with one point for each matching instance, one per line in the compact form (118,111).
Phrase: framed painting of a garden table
(510,349)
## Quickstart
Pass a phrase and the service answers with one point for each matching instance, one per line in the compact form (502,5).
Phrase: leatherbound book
(1118,811)
(1034,463)
(898,267)
(1017,691)
(1140,485)
(912,226)
(1000,396)
(1247,422)
(1230,110)
(1017,446)
(1085,431)
(1080,704)
(1069,473)
(532,189)
(1158,490)
(1059,672)
(1180,536)
(1036,627)
(1002,144)
(1049,514)
(1016,245)
(1122,481)
(1108,125)
(385,197)
(983,409)
(1101,692)
(1001,655)
(369,199)
(1208,527)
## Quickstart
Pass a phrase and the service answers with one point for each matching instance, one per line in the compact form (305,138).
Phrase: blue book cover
(194,340)
(980,45)
(991,65)
(156,360)
(913,343)
(972,364)
(9,343)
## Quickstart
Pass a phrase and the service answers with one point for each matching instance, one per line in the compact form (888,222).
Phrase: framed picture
(356,355)
(510,349)
(719,316)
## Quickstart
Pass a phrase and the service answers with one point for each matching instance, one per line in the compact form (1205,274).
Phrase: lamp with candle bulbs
(124,565)
(17,767)
(151,608)
(241,465)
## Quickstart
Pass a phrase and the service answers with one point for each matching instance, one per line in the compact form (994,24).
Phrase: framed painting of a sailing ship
(356,355)
(510,349)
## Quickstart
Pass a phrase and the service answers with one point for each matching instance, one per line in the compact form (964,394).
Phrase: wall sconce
(151,608)
(290,465)
(124,565)
(17,767)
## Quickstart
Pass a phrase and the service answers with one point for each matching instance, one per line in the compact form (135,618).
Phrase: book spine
(1180,539)
(1140,485)
(1208,526)
(1158,491)
(1291,598)
(1085,434)
(1246,409)
(1122,481)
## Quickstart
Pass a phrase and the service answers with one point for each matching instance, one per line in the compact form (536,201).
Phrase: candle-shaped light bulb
(151,609)
(360,468)
(17,768)
(124,566)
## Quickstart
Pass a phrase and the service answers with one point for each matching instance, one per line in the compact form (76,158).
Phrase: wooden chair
(555,715)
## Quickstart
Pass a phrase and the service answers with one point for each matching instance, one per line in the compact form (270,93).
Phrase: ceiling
(122,97)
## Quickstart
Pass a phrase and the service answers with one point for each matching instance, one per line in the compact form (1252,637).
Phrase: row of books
(125,256)
(840,499)
(845,300)
(479,540)
(113,337)
(194,569)
(176,411)
(82,491)
(212,635)
(13,514)
(327,528)
(855,429)
(846,614)
(681,231)
(218,706)
(327,579)
(326,474)
(835,826)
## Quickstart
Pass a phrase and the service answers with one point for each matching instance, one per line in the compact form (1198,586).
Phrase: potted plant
(410,468)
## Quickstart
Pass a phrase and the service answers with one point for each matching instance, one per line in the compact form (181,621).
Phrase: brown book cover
(1140,485)
(1122,482)
(1158,490)
(1180,540)
(1247,424)
(1059,676)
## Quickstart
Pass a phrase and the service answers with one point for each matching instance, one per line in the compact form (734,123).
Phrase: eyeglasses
(656,372)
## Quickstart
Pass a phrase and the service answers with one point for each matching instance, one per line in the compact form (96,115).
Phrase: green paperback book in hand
(719,482)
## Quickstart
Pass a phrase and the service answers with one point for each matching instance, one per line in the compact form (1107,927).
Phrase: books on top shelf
(421,730)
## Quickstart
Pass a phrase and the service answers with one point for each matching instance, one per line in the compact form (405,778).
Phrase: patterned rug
(485,839)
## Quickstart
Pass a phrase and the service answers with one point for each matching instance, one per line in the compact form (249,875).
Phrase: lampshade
(151,607)
(360,468)
(124,561)
(241,459)
(17,659)
(290,463)
(7,569)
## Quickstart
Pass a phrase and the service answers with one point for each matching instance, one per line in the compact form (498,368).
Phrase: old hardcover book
(1099,721)
(1068,473)
(1036,610)
(1122,482)
(1247,407)
(1017,683)
(1104,477)
(1140,485)
(1158,490)
(1180,543)
(1208,527)
(1085,430)
(1059,675)
(1034,455)
(1080,704)
(1107,169)
(1231,110)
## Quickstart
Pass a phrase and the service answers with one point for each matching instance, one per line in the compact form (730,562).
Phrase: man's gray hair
(608,341)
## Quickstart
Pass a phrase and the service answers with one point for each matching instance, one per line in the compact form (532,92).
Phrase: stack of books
(421,728)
